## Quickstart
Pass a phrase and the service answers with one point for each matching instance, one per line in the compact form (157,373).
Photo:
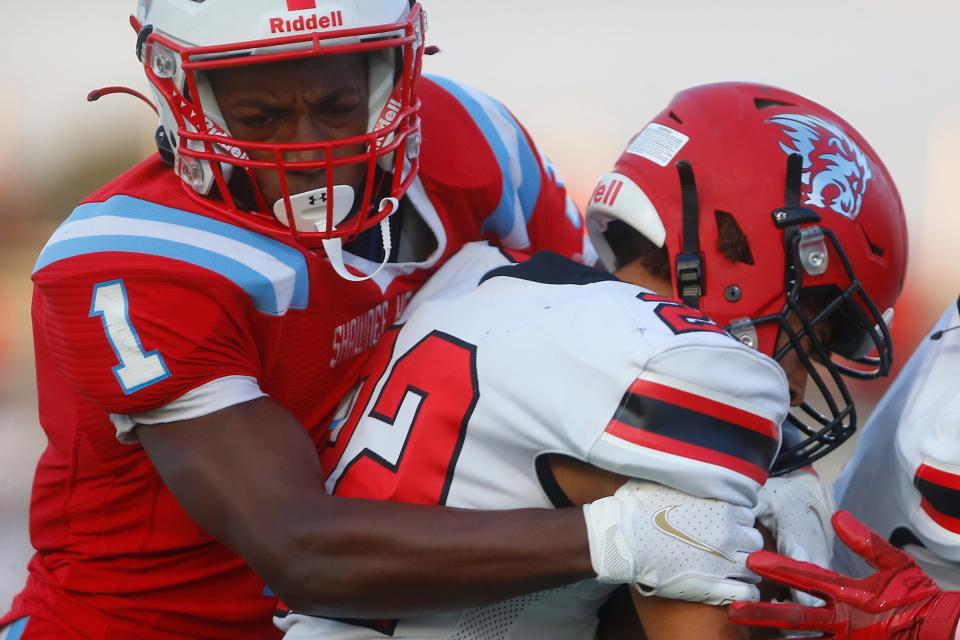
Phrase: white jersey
(481,383)
(904,478)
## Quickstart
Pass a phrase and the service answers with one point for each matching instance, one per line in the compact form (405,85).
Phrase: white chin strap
(334,246)
(309,214)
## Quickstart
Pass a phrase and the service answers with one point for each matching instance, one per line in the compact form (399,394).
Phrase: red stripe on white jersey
(685,450)
(939,477)
(707,406)
(947,522)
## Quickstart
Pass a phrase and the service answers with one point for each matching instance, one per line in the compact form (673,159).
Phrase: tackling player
(912,502)
(547,383)
(205,293)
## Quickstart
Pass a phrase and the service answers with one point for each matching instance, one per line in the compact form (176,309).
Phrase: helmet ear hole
(165,146)
(731,241)
(629,245)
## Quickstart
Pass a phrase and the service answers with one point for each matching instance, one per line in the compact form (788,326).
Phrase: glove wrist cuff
(609,553)
(942,617)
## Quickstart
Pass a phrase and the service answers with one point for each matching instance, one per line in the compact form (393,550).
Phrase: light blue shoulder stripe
(258,286)
(261,289)
(504,216)
(136,209)
(16,629)
(530,188)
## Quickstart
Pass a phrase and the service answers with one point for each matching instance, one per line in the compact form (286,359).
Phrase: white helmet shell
(175,33)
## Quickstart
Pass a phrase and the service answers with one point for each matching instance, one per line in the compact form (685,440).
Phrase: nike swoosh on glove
(672,544)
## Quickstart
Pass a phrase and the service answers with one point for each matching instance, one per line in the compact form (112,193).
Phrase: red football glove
(899,601)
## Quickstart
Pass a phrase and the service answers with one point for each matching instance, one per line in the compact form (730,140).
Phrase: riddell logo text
(608,193)
(387,117)
(306,23)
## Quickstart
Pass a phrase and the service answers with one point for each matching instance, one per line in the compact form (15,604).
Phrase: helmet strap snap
(690,267)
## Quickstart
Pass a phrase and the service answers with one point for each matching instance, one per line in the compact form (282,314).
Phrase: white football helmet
(181,40)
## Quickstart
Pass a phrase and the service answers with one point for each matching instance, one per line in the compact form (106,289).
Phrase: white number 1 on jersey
(137,369)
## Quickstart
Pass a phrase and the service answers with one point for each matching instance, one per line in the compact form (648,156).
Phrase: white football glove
(796,508)
(672,544)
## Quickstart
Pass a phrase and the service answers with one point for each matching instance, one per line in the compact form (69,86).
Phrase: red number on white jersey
(405,446)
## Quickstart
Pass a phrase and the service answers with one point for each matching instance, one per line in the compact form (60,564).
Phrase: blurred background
(582,76)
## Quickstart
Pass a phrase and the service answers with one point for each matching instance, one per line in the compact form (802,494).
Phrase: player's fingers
(792,573)
(785,615)
(867,543)
(746,540)
(741,573)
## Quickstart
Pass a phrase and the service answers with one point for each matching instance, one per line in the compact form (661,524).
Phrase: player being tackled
(540,383)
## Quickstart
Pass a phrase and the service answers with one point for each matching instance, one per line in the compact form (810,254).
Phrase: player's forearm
(260,492)
(676,620)
(356,560)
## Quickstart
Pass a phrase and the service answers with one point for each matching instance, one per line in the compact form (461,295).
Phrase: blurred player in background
(904,483)
(547,383)
(913,498)
(226,292)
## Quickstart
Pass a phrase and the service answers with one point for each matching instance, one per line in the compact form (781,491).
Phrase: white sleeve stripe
(202,401)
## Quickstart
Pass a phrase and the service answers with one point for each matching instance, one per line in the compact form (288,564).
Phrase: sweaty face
(301,101)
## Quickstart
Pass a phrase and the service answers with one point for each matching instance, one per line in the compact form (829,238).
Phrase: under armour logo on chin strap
(317,199)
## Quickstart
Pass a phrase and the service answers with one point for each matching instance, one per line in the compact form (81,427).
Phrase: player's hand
(796,509)
(672,544)
(899,601)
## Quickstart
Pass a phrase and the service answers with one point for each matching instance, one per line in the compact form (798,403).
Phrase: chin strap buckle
(690,278)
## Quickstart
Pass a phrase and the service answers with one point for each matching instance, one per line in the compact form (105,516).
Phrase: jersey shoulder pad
(273,275)
(687,406)
(140,304)
(473,142)
(135,343)
(702,417)
(151,179)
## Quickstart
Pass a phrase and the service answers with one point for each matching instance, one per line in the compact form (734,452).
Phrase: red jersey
(150,309)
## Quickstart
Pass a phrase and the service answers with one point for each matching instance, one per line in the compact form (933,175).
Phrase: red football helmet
(182,41)
(823,226)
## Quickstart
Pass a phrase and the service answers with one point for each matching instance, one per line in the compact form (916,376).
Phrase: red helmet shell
(737,137)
